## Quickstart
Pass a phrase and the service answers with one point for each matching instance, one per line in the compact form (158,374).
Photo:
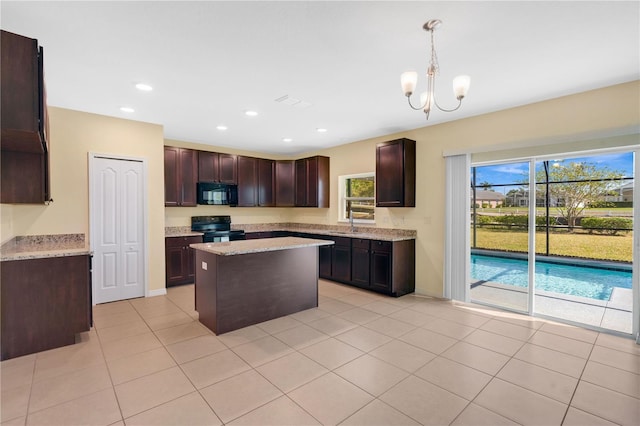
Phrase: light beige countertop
(180,231)
(43,246)
(358,233)
(232,248)
(365,232)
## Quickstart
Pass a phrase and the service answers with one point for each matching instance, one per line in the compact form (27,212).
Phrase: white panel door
(117,214)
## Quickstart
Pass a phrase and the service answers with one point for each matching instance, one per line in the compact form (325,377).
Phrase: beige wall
(526,130)
(73,135)
(596,112)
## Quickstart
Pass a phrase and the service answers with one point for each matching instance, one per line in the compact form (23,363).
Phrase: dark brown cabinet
(24,142)
(266,182)
(228,171)
(261,182)
(217,167)
(180,260)
(285,183)
(324,261)
(259,235)
(335,260)
(381,265)
(247,181)
(180,177)
(396,173)
(360,262)
(341,259)
(393,267)
(312,182)
(44,303)
(23,115)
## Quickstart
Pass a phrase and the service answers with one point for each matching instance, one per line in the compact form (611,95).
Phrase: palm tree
(486,186)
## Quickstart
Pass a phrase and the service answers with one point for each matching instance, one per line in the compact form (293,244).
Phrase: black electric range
(216,228)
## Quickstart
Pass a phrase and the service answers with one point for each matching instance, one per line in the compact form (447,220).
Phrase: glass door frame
(531,255)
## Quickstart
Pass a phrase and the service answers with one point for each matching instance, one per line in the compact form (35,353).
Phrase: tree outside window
(357,197)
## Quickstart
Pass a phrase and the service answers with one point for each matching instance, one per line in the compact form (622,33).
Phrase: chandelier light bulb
(461,86)
(424,97)
(409,80)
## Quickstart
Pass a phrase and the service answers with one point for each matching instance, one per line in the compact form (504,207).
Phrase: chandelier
(409,79)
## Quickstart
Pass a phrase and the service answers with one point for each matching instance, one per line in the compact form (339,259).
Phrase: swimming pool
(594,283)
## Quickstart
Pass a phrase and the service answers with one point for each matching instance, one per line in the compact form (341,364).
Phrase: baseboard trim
(157,292)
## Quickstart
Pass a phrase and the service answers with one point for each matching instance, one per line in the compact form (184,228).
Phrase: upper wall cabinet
(396,173)
(266,182)
(25,151)
(261,182)
(285,183)
(180,177)
(23,116)
(216,167)
(312,182)
(247,181)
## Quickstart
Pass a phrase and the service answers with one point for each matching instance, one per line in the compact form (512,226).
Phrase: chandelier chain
(434,57)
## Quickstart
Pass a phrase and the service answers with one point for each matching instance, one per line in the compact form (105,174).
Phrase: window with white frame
(357,196)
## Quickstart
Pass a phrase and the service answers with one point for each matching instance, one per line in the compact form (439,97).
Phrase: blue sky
(517,172)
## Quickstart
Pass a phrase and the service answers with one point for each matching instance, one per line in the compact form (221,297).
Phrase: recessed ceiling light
(251,113)
(144,87)
(287,140)
(221,127)
(321,130)
(127,109)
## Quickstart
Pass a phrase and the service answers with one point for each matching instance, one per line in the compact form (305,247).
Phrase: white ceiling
(210,61)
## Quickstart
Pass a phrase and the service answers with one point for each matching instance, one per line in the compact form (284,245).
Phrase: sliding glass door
(554,237)
(499,263)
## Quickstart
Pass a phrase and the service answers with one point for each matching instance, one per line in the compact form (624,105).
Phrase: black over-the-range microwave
(211,193)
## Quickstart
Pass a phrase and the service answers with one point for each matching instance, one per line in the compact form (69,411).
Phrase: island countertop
(232,248)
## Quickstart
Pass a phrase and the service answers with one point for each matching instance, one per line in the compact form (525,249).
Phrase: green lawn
(614,211)
(601,247)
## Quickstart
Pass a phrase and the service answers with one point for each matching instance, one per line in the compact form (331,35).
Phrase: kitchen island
(241,283)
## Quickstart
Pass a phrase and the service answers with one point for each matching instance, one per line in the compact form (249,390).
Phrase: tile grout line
(33,378)
(573,394)
(367,352)
(104,358)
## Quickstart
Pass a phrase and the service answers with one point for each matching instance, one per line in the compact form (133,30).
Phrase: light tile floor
(358,359)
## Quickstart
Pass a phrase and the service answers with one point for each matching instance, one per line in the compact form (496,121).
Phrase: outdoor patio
(614,314)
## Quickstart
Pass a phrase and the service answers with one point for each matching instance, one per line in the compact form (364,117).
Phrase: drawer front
(381,246)
(182,241)
(192,240)
(342,241)
(360,243)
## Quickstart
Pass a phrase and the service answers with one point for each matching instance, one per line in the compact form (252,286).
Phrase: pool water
(594,283)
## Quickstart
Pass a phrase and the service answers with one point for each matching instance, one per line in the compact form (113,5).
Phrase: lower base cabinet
(259,235)
(360,262)
(386,267)
(383,266)
(180,260)
(335,260)
(325,255)
(45,303)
